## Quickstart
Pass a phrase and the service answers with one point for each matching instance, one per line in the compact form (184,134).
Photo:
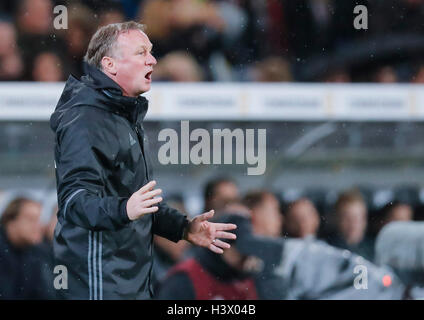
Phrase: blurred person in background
(34,19)
(48,67)
(77,36)
(21,261)
(219,192)
(185,20)
(386,74)
(265,213)
(418,77)
(396,211)
(35,16)
(113,14)
(272,69)
(11,64)
(351,216)
(178,66)
(301,219)
(212,31)
(337,75)
(230,276)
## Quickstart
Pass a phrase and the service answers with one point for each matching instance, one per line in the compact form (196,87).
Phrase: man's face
(134,62)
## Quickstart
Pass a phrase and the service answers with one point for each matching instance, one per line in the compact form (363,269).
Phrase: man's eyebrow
(149,48)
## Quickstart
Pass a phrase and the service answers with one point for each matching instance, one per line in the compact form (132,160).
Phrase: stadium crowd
(224,40)
(26,233)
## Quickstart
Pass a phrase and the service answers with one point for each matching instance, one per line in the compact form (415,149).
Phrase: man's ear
(109,65)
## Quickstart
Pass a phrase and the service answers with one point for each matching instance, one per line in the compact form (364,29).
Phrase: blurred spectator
(178,66)
(218,193)
(272,69)
(77,36)
(386,75)
(266,216)
(302,219)
(47,67)
(351,224)
(337,76)
(111,15)
(36,34)
(201,28)
(419,75)
(35,16)
(397,211)
(21,265)
(229,276)
(11,65)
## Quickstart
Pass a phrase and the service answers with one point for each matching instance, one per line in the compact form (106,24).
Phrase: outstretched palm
(206,234)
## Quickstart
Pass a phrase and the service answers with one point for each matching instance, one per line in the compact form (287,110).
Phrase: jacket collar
(134,108)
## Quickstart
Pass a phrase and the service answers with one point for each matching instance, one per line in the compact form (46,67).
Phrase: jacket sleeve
(83,151)
(169,223)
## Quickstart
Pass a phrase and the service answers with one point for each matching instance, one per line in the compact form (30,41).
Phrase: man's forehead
(135,37)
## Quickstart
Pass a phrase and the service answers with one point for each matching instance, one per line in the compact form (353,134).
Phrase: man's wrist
(186,230)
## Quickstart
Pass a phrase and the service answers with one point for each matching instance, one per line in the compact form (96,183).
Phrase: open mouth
(148,75)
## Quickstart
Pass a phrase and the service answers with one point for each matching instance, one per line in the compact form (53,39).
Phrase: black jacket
(101,159)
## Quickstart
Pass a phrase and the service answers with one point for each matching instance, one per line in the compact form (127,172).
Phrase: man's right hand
(143,202)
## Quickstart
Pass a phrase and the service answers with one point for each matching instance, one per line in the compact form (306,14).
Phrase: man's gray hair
(104,41)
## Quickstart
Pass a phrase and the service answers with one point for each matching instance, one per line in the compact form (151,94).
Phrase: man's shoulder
(85,116)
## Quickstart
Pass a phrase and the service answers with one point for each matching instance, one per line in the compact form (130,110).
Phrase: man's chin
(145,88)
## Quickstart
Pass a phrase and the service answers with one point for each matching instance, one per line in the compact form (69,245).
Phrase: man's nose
(151,60)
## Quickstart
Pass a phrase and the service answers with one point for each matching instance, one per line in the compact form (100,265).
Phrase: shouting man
(109,207)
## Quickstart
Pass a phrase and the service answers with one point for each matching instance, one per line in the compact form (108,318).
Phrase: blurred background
(344,132)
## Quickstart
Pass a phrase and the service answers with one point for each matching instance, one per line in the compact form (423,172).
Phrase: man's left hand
(206,234)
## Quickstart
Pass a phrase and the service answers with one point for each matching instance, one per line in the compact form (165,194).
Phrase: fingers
(148,210)
(147,187)
(225,235)
(215,249)
(224,226)
(207,215)
(151,194)
(148,203)
(221,244)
